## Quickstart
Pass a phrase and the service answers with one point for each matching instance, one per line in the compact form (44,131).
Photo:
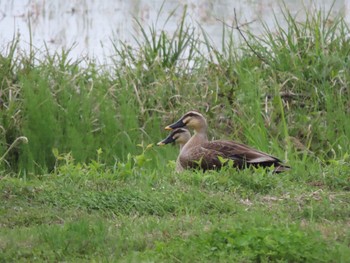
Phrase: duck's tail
(280,168)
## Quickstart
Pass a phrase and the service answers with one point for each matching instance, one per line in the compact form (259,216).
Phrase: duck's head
(180,136)
(192,119)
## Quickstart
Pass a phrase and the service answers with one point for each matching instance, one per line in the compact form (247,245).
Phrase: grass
(84,214)
(90,186)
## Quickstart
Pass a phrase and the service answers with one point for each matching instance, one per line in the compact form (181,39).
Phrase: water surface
(89,26)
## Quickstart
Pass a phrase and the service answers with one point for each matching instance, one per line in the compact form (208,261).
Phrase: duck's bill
(167,140)
(178,124)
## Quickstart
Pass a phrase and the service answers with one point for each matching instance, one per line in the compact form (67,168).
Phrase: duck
(201,153)
(179,136)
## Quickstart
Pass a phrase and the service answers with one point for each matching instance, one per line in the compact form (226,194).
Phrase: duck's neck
(181,146)
(198,138)
(179,167)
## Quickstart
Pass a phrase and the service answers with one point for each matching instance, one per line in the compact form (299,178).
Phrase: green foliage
(255,244)
(73,110)
(284,92)
(305,67)
(87,212)
(74,239)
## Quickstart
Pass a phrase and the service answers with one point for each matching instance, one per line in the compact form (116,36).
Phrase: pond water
(89,26)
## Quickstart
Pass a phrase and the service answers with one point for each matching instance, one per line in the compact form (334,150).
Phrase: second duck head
(180,136)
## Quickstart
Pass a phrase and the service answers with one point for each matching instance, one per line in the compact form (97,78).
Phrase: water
(89,26)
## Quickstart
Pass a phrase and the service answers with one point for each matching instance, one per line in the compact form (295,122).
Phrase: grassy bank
(86,213)
(89,185)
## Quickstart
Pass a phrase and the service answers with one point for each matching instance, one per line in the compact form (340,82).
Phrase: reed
(283,92)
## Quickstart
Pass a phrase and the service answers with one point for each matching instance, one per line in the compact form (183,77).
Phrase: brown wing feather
(235,150)
(206,155)
(204,158)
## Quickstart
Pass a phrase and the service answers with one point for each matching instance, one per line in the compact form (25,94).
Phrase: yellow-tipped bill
(175,125)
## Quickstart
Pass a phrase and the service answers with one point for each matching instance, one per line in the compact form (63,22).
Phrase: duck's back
(207,156)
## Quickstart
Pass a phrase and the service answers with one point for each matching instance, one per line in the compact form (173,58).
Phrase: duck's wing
(212,155)
(241,154)
(202,157)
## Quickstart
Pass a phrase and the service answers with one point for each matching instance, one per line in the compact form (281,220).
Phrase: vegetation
(89,186)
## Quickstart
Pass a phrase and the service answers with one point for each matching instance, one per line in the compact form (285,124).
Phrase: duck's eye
(186,120)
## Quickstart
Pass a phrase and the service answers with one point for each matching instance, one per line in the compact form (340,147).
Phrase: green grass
(90,186)
(84,214)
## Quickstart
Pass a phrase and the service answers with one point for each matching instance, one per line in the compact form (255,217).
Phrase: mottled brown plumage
(198,152)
